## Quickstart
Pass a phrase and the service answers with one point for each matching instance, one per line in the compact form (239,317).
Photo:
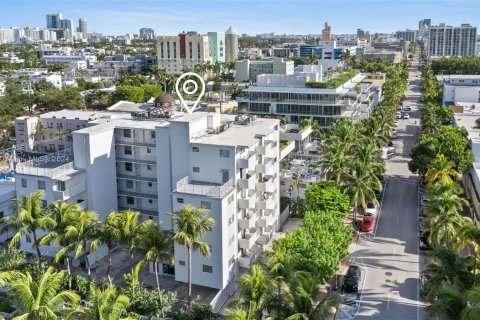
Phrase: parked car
(399,115)
(367,223)
(423,288)
(371,209)
(407,109)
(394,136)
(396,123)
(390,143)
(406,116)
(424,245)
(352,278)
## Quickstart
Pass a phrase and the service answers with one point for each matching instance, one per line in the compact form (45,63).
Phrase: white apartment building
(289,96)
(54,123)
(246,69)
(460,89)
(185,50)
(7,194)
(224,163)
(36,76)
(446,41)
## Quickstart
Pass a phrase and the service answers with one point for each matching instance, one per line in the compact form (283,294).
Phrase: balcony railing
(186,185)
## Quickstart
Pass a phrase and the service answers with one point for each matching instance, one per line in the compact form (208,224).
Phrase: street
(391,256)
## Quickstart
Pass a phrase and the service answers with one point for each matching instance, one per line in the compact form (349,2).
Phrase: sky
(118,17)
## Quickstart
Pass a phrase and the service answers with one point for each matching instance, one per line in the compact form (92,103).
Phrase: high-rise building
(446,41)
(424,23)
(231,42)
(147,33)
(216,46)
(360,34)
(185,50)
(67,24)
(82,27)
(53,20)
(326,32)
(407,35)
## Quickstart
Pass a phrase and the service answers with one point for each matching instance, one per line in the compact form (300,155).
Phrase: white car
(394,135)
(371,210)
(399,115)
(396,123)
(406,116)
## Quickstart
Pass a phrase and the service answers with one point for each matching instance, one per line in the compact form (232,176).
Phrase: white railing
(218,191)
(45,172)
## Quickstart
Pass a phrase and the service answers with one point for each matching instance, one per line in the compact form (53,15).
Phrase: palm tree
(156,244)
(60,212)
(334,160)
(82,227)
(359,182)
(469,235)
(441,169)
(105,304)
(41,299)
(472,310)
(346,56)
(130,230)
(255,290)
(109,234)
(446,268)
(448,304)
(31,216)
(191,225)
(296,180)
(240,314)
(303,300)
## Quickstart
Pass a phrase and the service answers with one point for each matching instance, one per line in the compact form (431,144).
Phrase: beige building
(326,32)
(249,70)
(51,132)
(185,50)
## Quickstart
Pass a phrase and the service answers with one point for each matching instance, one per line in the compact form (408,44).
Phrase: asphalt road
(390,257)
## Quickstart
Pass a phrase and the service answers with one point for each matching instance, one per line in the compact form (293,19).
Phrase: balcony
(248,239)
(70,192)
(267,185)
(264,150)
(265,205)
(266,168)
(134,141)
(247,183)
(247,222)
(186,185)
(248,203)
(266,236)
(248,162)
(245,260)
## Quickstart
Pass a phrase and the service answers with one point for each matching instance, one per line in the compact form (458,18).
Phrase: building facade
(82,27)
(185,50)
(407,35)
(326,32)
(447,41)
(147,33)
(246,70)
(216,46)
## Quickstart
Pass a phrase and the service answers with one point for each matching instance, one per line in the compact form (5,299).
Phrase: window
(195,149)
(150,201)
(21,127)
(24,183)
(129,184)
(128,150)
(149,150)
(150,184)
(128,166)
(206,205)
(28,238)
(130,200)
(207,269)
(44,203)
(60,185)
(59,126)
(230,199)
(196,169)
(282,183)
(224,153)
(1,214)
(181,263)
(61,146)
(127,133)
(179,200)
(149,167)
(41,184)
(152,134)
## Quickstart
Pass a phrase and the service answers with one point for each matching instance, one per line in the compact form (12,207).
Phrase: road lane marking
(397,219)
(384,191)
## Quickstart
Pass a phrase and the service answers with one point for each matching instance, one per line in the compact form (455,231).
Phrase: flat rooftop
(127,106)
(238,134)
(467,120)
(443,77)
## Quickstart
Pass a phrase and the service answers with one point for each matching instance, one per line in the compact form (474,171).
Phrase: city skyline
(120,17)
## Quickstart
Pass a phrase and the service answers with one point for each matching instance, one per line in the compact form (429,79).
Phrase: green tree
(31,216)
(150,91)
(325,196)
(441,169)
(129,93)
(42,299)
(469,235)
(318,250)
(191,225)
(156,245)
(105,304)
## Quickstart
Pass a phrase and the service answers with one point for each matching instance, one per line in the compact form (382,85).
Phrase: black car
(352,278)
(424,246)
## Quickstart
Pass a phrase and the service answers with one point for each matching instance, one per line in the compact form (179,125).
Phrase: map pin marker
(189,91)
